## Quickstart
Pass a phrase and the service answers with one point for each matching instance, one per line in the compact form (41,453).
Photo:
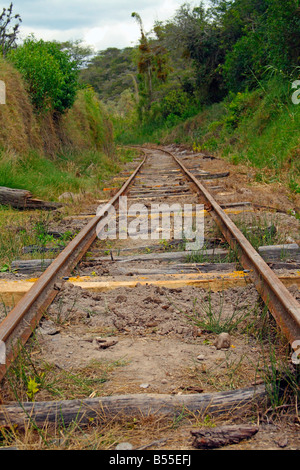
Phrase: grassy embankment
(48,156)
(258,128)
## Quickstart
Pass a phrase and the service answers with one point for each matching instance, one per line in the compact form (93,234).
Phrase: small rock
(196,332)
(164,381)
(124,446)
(68,196)
(48,328)
(223,341)
(102,343)
(201,357)
(282,442)
(144,385)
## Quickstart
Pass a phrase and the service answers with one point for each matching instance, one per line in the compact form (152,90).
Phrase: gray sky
(99,23)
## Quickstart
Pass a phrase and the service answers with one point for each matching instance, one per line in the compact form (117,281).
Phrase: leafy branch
(9,29)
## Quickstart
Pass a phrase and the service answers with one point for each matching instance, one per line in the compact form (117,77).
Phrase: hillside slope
(258,128)
(47,153)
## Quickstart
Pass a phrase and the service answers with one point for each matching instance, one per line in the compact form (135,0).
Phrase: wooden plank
(13,291)
(206,213)
(227,205)
(210,254)
(158,189)
(179,268)
(280,252)
(159,192)
(117,407)
(34,266)
(165,196)
(30,266)
(210,176)
(282,265)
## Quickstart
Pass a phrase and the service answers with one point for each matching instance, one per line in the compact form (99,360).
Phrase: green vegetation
(211,318)
(9,29)
(29,378)
(111,73)
(257,128)
(50,74)
(56,137)
(50,178)
(217,78)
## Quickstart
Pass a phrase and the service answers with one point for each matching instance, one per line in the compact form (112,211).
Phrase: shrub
(51,75)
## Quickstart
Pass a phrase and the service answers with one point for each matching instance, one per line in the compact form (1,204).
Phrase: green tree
(9,29)
(269,36)
(198,39)
(51,75)
(153,68)
(80,53)
(110,73)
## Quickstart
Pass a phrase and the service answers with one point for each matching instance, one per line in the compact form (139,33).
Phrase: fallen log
(23,199)
(117,407)
(212,438)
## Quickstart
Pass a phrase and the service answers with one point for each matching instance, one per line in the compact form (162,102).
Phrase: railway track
(127,262)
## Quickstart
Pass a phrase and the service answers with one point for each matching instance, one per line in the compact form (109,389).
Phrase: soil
(158,347)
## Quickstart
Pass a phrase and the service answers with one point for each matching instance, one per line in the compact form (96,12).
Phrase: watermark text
(2,353)
(2,92)
(296,354)
(159,222)
(296,94)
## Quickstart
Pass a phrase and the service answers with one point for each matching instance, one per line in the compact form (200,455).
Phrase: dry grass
(19,129)
(84,127)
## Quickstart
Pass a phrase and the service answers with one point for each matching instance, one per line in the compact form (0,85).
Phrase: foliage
(232,61)
(51,75)
(78,52)
(270,37)
(8,32)
(32,388)
(110,73)
(152,69)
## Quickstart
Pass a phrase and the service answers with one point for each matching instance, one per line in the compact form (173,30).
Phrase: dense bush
(51,75)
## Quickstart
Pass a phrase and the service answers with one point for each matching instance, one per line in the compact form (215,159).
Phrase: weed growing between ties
(21,229)
(216,312)
(84,177)
(32,379)
(214,316)
(205,254)
(143,432)
(260,230)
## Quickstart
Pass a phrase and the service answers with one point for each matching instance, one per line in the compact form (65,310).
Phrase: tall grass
(259,128)
(48,178)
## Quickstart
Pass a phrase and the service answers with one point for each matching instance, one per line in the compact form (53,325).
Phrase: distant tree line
(200,56)
(196,58)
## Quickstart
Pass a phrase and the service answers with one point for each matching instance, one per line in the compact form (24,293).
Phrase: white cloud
(100,23)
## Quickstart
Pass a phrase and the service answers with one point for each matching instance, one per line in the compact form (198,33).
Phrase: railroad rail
(19,324)
(281,303)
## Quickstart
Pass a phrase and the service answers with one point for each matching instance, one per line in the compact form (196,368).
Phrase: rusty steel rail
(20,323)
(282,305)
